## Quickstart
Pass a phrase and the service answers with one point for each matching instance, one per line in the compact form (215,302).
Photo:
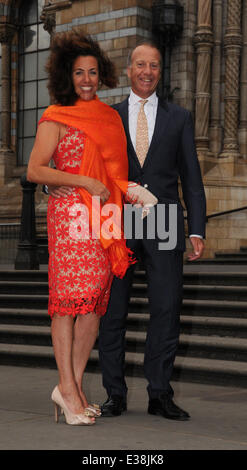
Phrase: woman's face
(85,77)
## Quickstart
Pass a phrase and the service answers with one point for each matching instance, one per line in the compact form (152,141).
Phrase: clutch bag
(141,197)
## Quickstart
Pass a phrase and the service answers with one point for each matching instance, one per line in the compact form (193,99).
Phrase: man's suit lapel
(162,119)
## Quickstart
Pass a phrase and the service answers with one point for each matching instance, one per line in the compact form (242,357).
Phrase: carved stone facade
(208,76)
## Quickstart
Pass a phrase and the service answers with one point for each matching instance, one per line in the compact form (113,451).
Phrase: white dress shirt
(150,110)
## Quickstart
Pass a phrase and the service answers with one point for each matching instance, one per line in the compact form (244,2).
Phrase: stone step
(213,347)
(201,291)
(216,278)
(25,300)
(223,260)
(215,308)
(24,275)
(26,334)
(218,372)
(190,291)
(222,326)
(24,287)
(231,254)
(238,278)
(22,316)
(206,326)
(205,278)
(208,307)
(215,292)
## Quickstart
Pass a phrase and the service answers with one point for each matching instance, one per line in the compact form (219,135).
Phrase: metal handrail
(225,212)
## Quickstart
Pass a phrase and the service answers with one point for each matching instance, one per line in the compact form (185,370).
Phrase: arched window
(34,45)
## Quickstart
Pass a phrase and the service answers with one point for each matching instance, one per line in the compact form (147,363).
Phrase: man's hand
(59,191)
(198,247)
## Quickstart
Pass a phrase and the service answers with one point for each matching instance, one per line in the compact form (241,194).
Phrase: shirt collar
(134,99)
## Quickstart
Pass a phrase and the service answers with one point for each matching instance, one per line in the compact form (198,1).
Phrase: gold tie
(142,142)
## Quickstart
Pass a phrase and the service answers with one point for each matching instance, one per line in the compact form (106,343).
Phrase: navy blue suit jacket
(171,155)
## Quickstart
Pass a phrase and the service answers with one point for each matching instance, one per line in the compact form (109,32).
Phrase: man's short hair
(144,42)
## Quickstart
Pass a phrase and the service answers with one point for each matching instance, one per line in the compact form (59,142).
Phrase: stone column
(203,41)
(215,130)
(7,32)
(243,87)
(232,46)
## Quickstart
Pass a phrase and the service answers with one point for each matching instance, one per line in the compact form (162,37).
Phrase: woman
(86,140)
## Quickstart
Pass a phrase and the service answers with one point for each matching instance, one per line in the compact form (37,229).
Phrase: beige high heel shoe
(70,418)
(94,409)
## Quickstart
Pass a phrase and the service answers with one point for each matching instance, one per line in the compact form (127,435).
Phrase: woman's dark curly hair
(65,48)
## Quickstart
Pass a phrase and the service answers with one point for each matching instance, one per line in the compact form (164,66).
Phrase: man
(170,153)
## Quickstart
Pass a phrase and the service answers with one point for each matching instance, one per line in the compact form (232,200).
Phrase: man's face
(145,70)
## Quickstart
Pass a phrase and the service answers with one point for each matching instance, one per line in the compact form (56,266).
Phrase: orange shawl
(104,158)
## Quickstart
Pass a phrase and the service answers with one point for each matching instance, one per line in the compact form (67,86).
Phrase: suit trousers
(164,271)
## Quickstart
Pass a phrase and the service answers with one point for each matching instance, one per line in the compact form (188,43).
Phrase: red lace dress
(79,268)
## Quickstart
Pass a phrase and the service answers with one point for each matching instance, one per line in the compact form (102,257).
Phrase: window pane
(44,38)
(30,67)
(27,149)
(30,123)
(42,59)
(40,112)
(20,150)
(0,113)
(20,124)
(30,97)
(21,68)
(21,96)
(33,98)
(43,95)
(30,38)
(30,12)
(41,4)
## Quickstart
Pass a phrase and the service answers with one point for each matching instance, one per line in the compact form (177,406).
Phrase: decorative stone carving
(203,41)
(232,48)
(243,87)
(49,20)
(48,15)
(7,32)
(215,130)
(54,5)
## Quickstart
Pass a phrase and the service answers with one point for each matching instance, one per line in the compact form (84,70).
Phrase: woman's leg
(62,330)
(85,334)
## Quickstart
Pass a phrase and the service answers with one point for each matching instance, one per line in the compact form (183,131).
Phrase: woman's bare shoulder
(53,128)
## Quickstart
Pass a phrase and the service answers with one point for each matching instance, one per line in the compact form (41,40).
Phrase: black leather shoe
(165,407)
(114,406)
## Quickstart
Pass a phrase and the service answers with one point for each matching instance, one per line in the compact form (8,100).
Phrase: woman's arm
(39,172)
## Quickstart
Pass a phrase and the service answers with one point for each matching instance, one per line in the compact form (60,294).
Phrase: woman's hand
(59,191)
(96,188)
